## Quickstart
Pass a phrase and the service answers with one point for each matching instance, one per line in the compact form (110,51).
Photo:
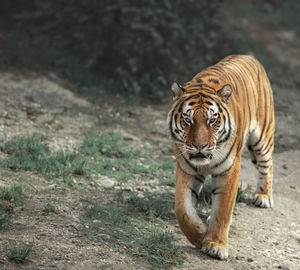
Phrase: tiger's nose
(205,147)
(200,147)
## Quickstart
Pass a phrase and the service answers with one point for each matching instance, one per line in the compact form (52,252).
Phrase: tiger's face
(198,124)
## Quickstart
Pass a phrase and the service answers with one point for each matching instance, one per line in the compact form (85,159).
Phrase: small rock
(284,267)
(96,221)
(107,183)
(284,166)
(250,260)
(128,188)
(293,187)
(103,236)
(238,258)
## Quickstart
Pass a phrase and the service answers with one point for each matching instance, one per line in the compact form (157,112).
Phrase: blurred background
(130,50)
(87,167)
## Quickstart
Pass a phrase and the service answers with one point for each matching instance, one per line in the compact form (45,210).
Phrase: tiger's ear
(225,93)
(177,90)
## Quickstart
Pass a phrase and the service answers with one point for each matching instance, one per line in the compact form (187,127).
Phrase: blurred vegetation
(126,45)
(132,48)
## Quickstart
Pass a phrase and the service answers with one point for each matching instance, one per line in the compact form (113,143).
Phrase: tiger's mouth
(200,156)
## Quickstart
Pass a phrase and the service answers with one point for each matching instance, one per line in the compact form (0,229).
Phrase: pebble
(96,221)
(107,183)
(285,166)
(103,236)
(250,260)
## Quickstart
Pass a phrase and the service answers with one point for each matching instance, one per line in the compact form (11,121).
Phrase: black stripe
(248,102)
(188,162)
(200,179)
(265,120)
(170,126)
(226,157)
(219,107)
(263,166)
(264,161)
(195,193)
(223,173)
(268,150)
(215,192)
(263,148)
(229,131)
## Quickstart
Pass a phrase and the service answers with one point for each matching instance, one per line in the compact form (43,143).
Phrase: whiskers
(181,153)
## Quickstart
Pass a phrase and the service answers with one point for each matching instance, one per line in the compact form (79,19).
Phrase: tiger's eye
(212,121)
(187,121)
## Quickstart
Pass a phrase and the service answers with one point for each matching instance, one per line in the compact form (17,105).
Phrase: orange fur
(214,115)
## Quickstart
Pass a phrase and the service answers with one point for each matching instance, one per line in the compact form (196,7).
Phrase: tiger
(223,108)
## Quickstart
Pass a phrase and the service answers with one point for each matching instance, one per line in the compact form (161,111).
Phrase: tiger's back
(214,115)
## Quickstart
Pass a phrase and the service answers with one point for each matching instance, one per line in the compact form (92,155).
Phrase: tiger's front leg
(187,189)
(224,189)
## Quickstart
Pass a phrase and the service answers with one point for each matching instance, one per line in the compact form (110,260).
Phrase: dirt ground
(31,103)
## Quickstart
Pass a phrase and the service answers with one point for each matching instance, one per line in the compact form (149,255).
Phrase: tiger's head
(199,121)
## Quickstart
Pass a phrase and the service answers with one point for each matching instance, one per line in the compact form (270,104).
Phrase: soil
(32,103)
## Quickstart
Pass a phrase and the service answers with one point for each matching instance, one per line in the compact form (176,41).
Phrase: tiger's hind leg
(261,153)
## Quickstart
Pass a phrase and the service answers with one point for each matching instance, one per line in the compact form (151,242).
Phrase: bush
(136,45)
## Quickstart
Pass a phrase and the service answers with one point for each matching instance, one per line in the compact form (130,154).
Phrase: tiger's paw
(262,200)
(215,249)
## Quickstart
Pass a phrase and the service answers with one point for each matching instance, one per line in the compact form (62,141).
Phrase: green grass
(12,193)
(31,154)
(5,216)
(112,158)
(49,208)
(104,154)
(135,234)
(25,153)
(154,207)
(9,198)
(18,254)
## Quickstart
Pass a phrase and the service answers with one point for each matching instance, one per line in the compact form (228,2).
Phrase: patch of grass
(159,249)
(154,207)
(170,181)
(107,154)
(49,208)
(243,194)
(11,193)
(110,145)
(31,154)
(135,235)
(62,164)
(19,253)
(9,197)
(111,157)
(25,153)
(5,217)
